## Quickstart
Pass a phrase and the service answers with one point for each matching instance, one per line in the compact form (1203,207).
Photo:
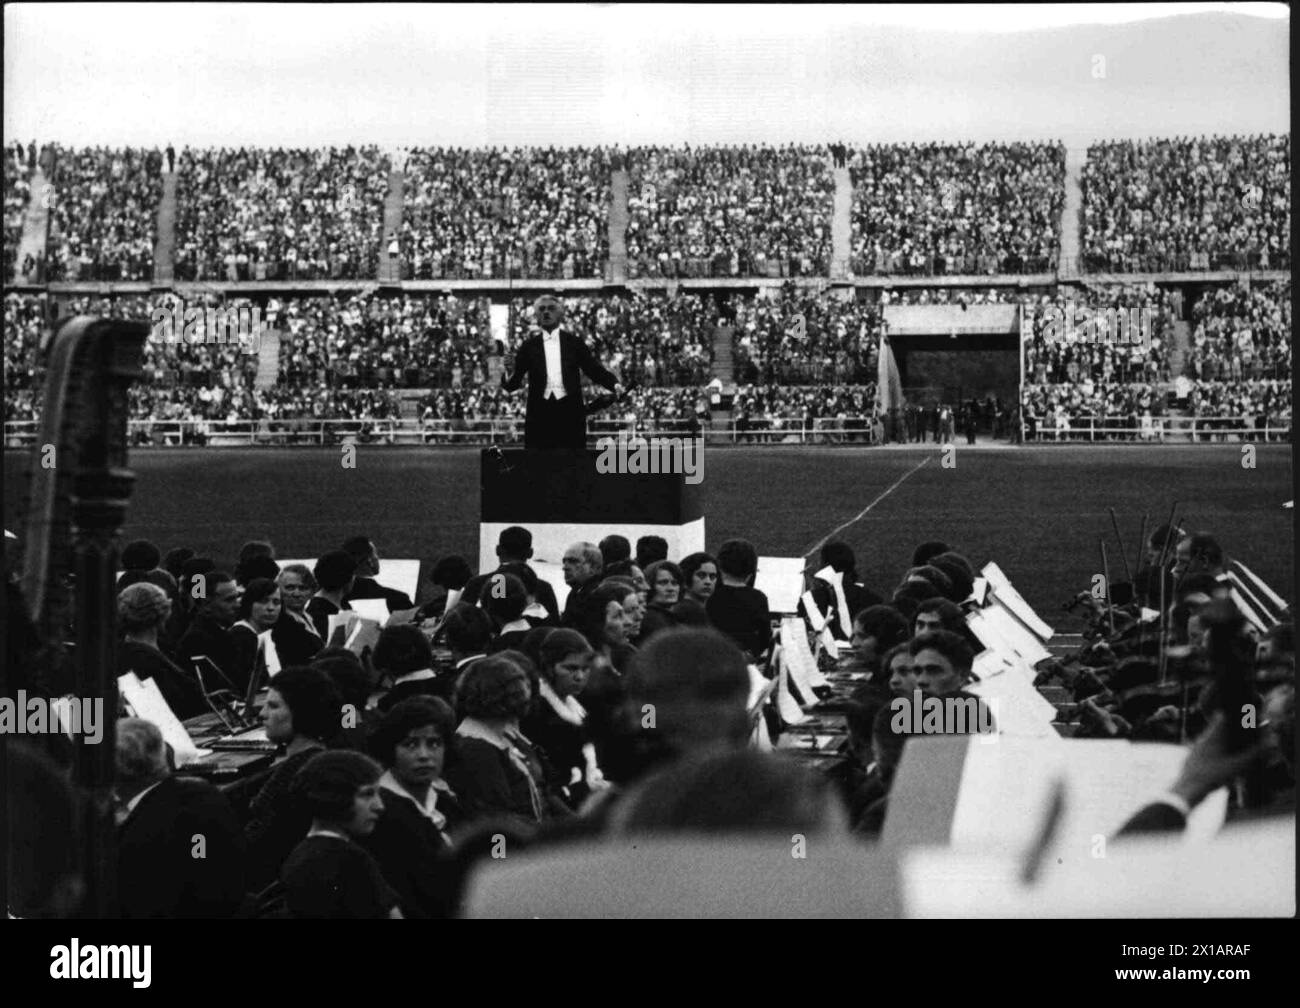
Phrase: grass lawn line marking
(861,514)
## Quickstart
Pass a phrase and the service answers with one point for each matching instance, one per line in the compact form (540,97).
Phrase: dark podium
(561,498)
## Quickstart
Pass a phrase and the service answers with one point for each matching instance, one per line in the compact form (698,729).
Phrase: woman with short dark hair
(496,769)
(412,837)
(329,874)
(259,611)
(665,590)
(302,713)
(557,724)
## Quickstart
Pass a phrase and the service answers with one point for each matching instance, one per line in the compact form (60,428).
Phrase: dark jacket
(159,872)
(741,613)
(294,643)
(657,617)
(206,637)
(319,610)
(489,783)
(413,853)
(277,822)
(368,588)
(576,359)
(545,594)
(179,688)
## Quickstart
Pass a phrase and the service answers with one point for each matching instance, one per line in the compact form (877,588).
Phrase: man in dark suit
(584,567)
(363,550)
(180,851)
(216,601)
(514,546)
(553,362)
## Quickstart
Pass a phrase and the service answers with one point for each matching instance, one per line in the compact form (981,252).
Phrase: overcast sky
(469,75)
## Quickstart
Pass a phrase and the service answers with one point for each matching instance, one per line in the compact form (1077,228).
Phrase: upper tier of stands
(759,211)
(1188,203)
(957,208)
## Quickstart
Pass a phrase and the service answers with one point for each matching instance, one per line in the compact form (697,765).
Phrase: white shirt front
(554,374)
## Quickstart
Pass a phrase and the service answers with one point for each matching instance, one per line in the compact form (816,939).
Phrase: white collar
(130,806)
(429,807)
(568,709)
(552,335)
(476,729)
(419,675)
(465,661)
(513,625)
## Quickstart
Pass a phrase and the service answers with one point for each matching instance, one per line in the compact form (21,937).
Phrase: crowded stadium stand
(1188,203)
(749,211)
(281,214)
(394,286)
(494,214)
(103,210)
(934,209)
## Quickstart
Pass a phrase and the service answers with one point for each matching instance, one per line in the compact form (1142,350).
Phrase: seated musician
(259,611)
(142,611)
(302,713)
(329,874)
(411,840)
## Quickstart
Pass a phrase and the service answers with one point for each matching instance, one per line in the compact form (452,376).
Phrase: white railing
(765,430)
(1159,430)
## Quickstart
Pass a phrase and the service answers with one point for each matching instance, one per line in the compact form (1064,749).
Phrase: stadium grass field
(1039,511)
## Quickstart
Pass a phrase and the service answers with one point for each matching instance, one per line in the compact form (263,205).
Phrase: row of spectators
(729,211)
(934,209)
(1216,406)
(772,402)
(18,174)
(480,214)
(414,340)
(644,338)
(103,213)
(1063,347)
(278,214)
(805,336)
(1242,333)
(1188,203)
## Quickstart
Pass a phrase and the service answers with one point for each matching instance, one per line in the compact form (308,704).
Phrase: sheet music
(836,580)
(365,633)
(371,609)
(269,654)
(1246,871)
(1005,789)
(339,619)
(781,580)
(1006,593)
(785,703)
(146,701)
(1018,708)
(816,619)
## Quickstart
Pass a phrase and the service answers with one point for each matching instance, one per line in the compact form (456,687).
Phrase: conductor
(554,361)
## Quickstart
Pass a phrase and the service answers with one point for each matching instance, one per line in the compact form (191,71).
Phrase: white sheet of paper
(836,580)
(816,619)
(792,659)
(146,701)
(1022,641)
(781,580)
(1000,586)
(340,619)
(371,608)
(1248,870)
(1005,788)
(803,652)
(760,688)
(269,654)
(552,574)
(785,703)
(364,633)
(1018,708)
